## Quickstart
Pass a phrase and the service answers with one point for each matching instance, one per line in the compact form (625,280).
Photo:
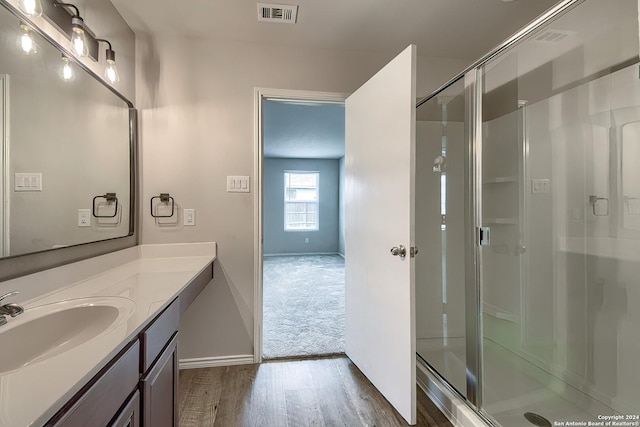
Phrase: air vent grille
(553,36)
(277,13)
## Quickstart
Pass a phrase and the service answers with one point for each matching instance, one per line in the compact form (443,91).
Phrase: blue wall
(278,241)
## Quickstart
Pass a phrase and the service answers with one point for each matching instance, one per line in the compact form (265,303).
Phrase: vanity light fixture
(110,71)
(66,71)
(79,43)
(30,7)
(25,41)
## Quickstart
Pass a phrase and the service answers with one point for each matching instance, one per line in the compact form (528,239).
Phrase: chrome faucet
(10,309)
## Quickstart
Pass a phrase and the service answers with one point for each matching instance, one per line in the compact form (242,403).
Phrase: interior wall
(196,101)
(279,241)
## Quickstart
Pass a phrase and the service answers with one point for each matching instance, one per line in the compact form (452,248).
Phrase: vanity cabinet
(130,414)
(159,369)
(100,401)
(138,387)
(160,389)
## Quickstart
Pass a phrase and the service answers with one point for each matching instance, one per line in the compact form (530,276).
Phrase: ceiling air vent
(277,13)
(553,36)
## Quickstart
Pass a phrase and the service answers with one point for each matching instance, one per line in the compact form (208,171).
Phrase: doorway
(300,222)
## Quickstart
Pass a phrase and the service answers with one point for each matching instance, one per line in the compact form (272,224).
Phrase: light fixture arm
(105,41)
(110,54)
(59,3)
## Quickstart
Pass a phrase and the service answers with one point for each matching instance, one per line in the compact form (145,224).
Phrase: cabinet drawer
(130,414)
(102,400)
(156,336)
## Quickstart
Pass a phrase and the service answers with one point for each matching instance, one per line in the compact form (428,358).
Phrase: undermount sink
(49,330)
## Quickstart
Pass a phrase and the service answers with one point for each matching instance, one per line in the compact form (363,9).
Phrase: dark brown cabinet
(130,414)
(102,400)
(160,389)
(139,387)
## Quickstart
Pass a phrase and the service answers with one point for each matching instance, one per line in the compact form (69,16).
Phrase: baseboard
(342,255)
(212,362)
(304,253)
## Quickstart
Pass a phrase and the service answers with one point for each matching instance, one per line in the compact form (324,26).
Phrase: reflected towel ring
(164,198)
(111,199)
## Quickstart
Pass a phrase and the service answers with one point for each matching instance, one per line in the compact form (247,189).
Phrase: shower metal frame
(473,81)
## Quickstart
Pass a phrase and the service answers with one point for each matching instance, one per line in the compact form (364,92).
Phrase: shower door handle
(400,251)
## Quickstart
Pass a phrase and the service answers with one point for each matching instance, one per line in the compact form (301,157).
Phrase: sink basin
(49,330)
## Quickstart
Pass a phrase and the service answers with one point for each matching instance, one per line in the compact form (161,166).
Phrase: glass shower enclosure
(528,198)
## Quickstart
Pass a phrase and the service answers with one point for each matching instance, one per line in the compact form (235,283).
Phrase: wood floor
(312,392)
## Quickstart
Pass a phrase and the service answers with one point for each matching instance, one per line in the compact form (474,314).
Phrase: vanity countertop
(145,279)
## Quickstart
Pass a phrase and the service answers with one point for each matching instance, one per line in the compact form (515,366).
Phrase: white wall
(197,126)
(279,241)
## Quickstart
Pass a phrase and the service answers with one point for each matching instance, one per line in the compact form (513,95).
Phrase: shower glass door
(440,234)
(560,194)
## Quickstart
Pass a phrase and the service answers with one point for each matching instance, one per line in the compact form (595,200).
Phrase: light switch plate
(189,217)
(540,186)
(27,181)
(238,184)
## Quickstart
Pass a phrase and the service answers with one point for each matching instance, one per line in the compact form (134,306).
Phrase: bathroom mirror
(630,176)
(66,142)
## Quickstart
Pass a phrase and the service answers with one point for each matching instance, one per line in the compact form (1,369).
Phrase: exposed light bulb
(25,41)
(79,44)
(66,72)
(111,71)
(30,7)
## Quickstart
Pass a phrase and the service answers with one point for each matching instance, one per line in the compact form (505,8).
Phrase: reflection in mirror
(66,148)
(631,176)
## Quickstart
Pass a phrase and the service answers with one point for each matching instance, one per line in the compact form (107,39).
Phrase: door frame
(258,161)
(5,171)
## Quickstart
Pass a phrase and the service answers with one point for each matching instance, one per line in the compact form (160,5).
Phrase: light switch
(540,186)
(27,181)
(238,184)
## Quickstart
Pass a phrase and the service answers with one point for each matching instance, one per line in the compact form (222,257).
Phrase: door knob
(400,251)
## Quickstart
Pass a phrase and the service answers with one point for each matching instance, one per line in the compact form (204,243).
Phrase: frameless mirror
(67,148)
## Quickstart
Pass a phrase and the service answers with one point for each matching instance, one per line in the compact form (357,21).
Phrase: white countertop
(145,278)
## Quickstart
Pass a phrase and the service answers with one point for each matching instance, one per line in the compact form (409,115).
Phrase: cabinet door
(130,415)
(160,389)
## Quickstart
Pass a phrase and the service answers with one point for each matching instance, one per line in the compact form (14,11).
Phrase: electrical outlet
(307,240)
(189,217)
(84,217)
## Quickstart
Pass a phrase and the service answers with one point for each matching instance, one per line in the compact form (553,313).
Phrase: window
(301,200)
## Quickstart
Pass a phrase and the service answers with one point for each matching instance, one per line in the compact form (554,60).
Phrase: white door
(379,188)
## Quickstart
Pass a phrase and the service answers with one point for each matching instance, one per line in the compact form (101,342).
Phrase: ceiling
(464,29)
(303,130)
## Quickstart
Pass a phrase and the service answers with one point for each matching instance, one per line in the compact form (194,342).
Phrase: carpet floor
(303,306)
